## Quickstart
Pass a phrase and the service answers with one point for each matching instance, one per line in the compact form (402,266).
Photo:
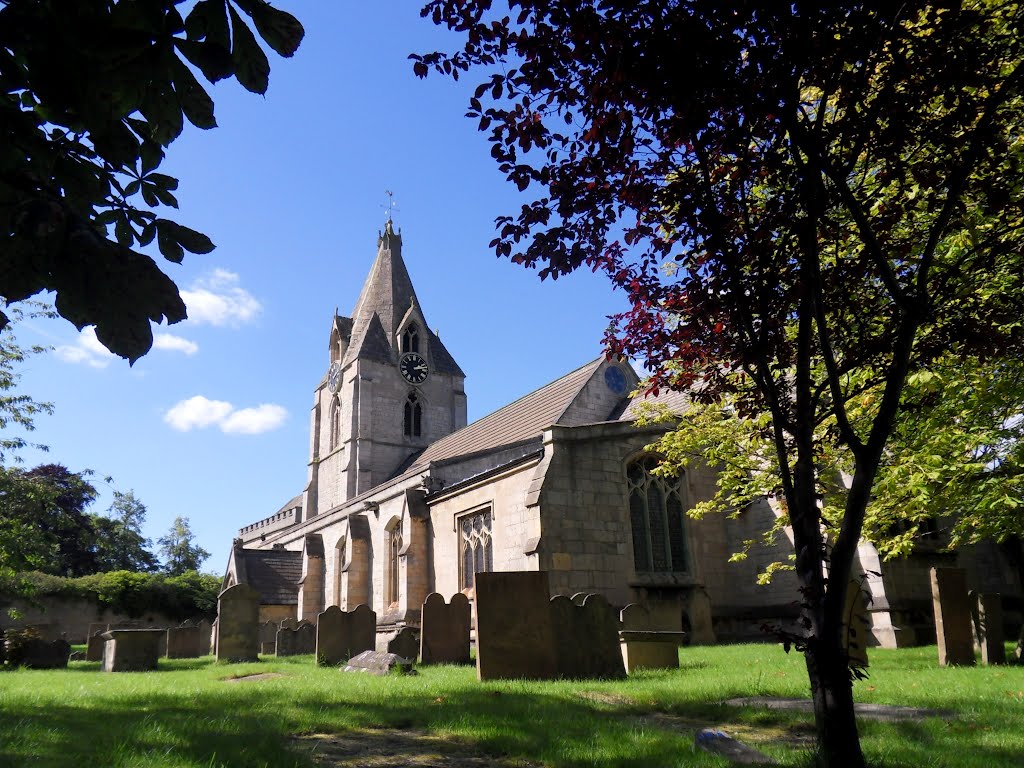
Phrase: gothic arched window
(410,339)
(413,416)
(476,550)
(335,422)
(395,543)
(656,519)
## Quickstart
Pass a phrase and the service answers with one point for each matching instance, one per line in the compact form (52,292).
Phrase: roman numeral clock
(413,368)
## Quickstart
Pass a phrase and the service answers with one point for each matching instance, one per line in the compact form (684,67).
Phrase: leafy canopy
(93,91)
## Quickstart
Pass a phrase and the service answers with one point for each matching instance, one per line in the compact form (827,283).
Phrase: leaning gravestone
(586,636)
(651,635)
(298,641)
(856,625)
(340,635)
(988,627)
(27,649)
(378,663)
(513,627)
(952,616)
(184,642)
(405,643)
(444,630)
(238,616)
(131,650)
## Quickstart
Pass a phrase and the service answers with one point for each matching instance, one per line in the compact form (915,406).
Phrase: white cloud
(200,412)
(218,299)
(169,341)
(253,421)
(197,413)
(87,349)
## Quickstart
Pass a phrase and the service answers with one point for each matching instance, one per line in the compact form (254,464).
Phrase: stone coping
(113,633)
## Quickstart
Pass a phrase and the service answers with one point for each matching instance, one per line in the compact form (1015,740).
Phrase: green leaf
(151,155)
(282,31)
(192,241)
(161,108)
(211,59)
(195,101)
(167,242)
(209,21)
(251,66)
(123,231)
(149,195)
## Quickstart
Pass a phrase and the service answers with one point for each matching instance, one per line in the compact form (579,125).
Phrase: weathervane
(391,207)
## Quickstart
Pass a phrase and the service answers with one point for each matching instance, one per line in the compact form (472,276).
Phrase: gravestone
(651,635)
(405,643)
(586,637)
(856,627)
(205,637)
(94,645)
(131,650)
(952,616)
(340,635)
(268,637)
(988,627)
(184,643)
(238,631)
(444,630)
(378,663)
(214,631)
(298,641)
(513,627)
(3,647)
(25,648)
(289,623)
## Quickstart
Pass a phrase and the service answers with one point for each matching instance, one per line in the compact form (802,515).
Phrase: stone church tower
(391,388)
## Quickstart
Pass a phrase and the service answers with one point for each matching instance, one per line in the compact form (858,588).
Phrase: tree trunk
(832,693)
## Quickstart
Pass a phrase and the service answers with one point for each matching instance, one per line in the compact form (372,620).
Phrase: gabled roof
(523,420)
(274,573)
(676,402)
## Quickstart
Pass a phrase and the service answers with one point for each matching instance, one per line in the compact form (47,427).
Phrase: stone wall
(71,617)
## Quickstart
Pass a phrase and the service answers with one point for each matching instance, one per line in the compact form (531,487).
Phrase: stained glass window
(656,513)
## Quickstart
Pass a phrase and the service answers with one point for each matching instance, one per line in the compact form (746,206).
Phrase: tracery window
(340,553)
(656,518)
(413,417)
(476,549)
(395,543)
(411,339)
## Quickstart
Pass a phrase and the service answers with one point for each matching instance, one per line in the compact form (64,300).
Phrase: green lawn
(187,714)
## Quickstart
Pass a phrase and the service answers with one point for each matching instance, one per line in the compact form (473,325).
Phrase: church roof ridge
(520,420)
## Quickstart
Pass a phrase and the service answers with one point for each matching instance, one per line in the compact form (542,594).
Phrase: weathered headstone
(206,637)
(214,632)
(289,623)
(586,636)
(988,627)
(952,616)
(340,635)
(94,645)
(184,643)
(268,637)
(377,663)
(405,643)
(736,752)
(131,650)
(651,635)
(513,626)
(295,642)
(856,626)
(77,656)
(27,649)
(238,632)
(444,630)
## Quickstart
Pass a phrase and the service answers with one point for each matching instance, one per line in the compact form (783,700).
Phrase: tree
(17,409)
(93,92)
(178,551)
(805,203)
(120,543)
(44,525)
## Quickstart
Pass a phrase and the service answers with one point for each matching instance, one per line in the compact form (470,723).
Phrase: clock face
(334,377)
(413,368)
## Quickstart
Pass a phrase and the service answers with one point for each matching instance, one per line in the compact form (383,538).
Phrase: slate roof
(677,402)
(386,296)
(522,420)
(274,573)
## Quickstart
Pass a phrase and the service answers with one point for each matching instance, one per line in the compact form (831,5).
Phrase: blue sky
(214,423)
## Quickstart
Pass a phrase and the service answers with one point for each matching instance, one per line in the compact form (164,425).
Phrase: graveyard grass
(188,714)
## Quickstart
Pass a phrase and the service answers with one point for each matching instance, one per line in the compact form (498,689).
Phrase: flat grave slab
(889,712)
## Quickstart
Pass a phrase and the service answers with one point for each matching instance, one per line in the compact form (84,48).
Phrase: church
(405,498)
